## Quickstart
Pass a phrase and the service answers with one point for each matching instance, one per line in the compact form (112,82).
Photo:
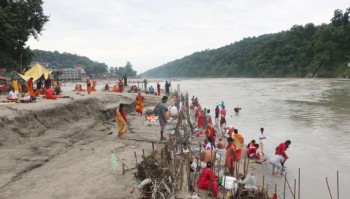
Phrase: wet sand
(62,148)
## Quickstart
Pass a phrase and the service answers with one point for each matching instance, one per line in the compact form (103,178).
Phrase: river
(313,113)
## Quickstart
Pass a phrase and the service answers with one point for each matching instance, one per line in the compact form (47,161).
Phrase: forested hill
(302,51)
(63,60)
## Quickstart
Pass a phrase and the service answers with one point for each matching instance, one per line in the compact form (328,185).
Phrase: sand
(62,148)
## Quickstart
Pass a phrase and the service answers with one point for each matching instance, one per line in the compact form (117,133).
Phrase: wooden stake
(284,188)
(152,146)
(135,157)
(295,188)
(123,169)
(329,190)
(337,184)
(143,154)
(263,182)
(299,185)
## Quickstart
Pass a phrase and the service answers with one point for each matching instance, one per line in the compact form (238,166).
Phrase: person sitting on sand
(13,95)
(50,94)
(76,87)
(115,89)
(106,88)
(173,111)
(253,152)
(208,180)
(151,90)
(26,97)
(139,101)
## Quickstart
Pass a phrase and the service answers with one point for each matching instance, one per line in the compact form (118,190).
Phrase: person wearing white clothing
(262,140)
(276,162)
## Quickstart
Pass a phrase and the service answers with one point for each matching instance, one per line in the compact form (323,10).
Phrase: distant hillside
(63,60)
(302,51)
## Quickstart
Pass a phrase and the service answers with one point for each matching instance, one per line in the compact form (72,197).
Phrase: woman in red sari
(208,180)
(231,156)
(200,118)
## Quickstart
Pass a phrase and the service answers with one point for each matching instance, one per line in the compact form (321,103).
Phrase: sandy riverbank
(62,148)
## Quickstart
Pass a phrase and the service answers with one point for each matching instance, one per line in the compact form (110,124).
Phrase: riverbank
(62,148)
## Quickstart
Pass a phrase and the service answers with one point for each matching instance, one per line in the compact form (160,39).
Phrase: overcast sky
(149,33)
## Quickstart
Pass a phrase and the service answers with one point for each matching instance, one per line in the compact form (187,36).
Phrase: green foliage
(302,51)
(63,60)
(18,21)
(126,70)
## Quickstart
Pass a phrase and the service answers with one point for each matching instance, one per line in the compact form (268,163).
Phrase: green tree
(18,21)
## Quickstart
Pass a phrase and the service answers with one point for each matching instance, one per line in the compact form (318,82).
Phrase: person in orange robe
(238,140)
(115,88)
(88,85)
(50,94)
(200,118)
(139,103)
(19,87)
(93,85)
(210,134)
(120,115)
(231,156)
(30,87)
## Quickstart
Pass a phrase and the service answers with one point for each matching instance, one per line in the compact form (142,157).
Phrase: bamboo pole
(299,185)
(329,190)
(135,157)
(337,184)
(263,182)
(284,188)
(290,188)
(295,188)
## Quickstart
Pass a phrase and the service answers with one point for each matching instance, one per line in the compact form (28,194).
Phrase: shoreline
(62,148)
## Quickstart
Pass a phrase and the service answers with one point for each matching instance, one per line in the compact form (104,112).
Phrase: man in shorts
(162,116)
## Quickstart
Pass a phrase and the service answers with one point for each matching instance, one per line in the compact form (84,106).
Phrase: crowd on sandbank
(26,92)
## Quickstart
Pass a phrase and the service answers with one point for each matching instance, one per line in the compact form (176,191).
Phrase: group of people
(233,150)
(46,87)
